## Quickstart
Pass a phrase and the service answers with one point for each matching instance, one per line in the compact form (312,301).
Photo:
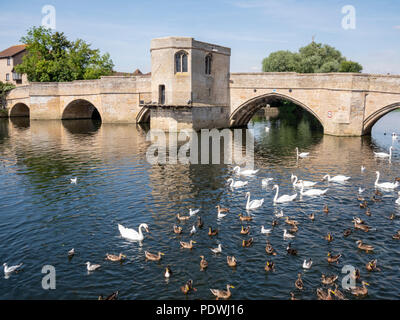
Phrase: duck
(328,279)
(384,155)
(294,229)
(385,185)
(328,237)
(371,266)
(299,183)
(356,274)
(291,222)
(339,178)
(269,266)
(326,209)
(193,230)
(396,236)
(330,258)
(187,245)
(245,218)
(311,216)
(292,297)
(217,249)
(284,198)
(203,263)
(360,291)
(245,230)
(287,235)
(112,257)
(358,220)
(362,227)
(392,216)
(112,296)
(367,248)
(92,267)
(152,256)
(253,204)
(188,287)
(290,250)
(231,261)
(299,283)
(133,234)
(375,199)
(269,249)
(364,205)
(247,243)
(274,223)
(212,232)
(222,294)
(200,223)
(167,272)
(322,295)
(265,231)
(8,270)
(307,264)
(221,210)
(248,172)
(237,184)
(378,193)
(177,230)
(193,212)
(182,218)
(338,293)
(347,232)
(71,253)
(302,154)
(368,212)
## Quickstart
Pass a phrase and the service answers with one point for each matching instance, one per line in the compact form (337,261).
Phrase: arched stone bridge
(346,104)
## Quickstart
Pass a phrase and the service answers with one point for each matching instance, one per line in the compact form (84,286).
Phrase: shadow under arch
(80,109)
(20,110)
(242,115)
(82,126)
(376,116)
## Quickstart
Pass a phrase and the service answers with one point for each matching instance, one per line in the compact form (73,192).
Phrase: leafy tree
(313,58)
(4,89)
(51,57)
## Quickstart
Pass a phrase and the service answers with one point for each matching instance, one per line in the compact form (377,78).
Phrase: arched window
(181,61)
(208,64)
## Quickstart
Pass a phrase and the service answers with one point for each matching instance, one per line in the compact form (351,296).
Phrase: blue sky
(252,29)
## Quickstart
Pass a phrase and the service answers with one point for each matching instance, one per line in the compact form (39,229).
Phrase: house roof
(137,72)
(12,51)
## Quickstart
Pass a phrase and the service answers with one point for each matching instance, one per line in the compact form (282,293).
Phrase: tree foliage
(4,89)
(51,57)
(313,58)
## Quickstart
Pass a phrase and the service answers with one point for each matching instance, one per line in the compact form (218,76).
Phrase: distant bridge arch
(19,109)
(80,109)
(377,115)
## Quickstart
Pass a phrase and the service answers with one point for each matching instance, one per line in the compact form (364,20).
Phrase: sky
(252,29)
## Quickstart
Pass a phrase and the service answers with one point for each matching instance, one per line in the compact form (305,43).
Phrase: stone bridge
(346,104)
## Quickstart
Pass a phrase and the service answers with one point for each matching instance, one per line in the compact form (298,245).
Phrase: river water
(43,215)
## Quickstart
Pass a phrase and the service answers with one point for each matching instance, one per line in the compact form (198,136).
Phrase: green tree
(313,58)
(51,57)
(4,89)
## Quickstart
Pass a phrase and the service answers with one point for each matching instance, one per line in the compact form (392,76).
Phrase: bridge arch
(80,109)
(243,114)
(375,116)
(19,109)
(143,115)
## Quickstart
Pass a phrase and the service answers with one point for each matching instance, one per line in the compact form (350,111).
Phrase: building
(9,58)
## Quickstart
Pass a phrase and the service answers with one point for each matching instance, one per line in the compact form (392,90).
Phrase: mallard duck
(378,193)
(231,260)
(392,216)
(222,294)
(200,223)
(269,249)
(203,263)
(326,209)
(92,267)
(375,199)
(368,212)
(168,272)
(290,250)
(299,283)
(292,297)
(274,223)
(328,279)
(371,266)
(312,216)
(322,295)
(269,266)
(247,243)
(187,245)
(358,220)
(245,230)
(291,222)
(307,264)
(112,296)
(362,227)
(360,198)
(245,218)
(328,237)
(330,258)
(152,256)
(182,218)
(356,275)
(360,291)
(396,236)
(294,229)
(363,205)
(212,232)
(71,253)
(113,257)
(222,210)
(338,293)
(188,287)
(177,230)
(367,248)
(347,232)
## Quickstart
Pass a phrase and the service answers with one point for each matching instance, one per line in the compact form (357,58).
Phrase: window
(7,77)
(208,64)
(9,61)
(161,94)
(181,62)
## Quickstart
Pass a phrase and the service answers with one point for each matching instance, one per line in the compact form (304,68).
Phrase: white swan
(398,200)
(248,172)
(220,215)
(384,154)
(193,212)
(301,155)
(237,184)
(297,183)
(265,231)
(360,190)
(284,198)
(312,192)
(193,230)
(74,180)
(338,178)
(266,181)
(287,235)
(133,234)
(253,204)
(92,267)
(307,264)
(217,250)
(385,185)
